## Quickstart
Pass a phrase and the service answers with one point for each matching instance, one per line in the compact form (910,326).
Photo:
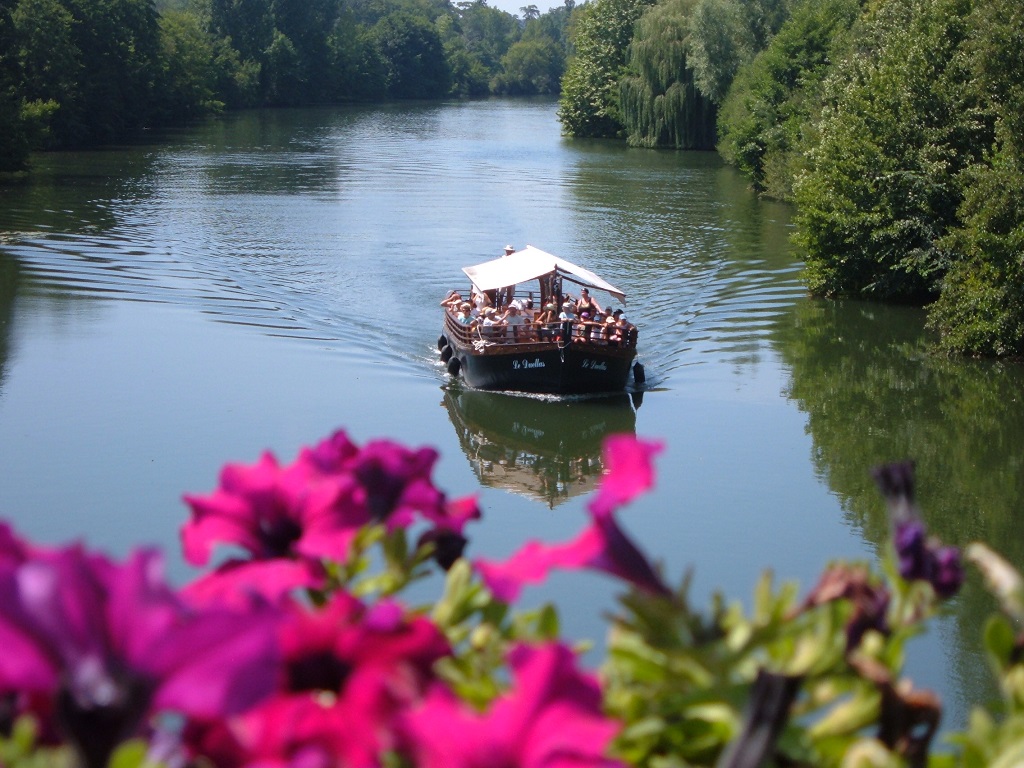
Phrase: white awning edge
(529,264)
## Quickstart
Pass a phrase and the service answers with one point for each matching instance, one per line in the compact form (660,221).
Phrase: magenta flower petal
(218,664)
(601,546)
(107,644)
(243,583)
(531,564)
(629,471)
(12,548)
(551,718)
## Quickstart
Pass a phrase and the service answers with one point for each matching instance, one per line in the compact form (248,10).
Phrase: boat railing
(530,334)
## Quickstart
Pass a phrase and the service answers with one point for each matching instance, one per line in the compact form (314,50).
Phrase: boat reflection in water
(547,450)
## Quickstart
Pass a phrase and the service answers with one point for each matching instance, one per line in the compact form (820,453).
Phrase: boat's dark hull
(545,368)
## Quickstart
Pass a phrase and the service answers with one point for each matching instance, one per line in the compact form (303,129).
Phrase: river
(255,282)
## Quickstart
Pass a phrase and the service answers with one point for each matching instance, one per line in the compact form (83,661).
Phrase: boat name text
(535,363)
(594,365)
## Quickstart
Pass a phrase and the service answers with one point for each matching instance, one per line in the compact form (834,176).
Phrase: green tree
(531,67)
(356,67)
(189,67)
(49,61)
(661,106)
(981,307)
(307,25)
(488,32)
(772,103)
(115,46)
(14,140)
(726,35)
(413,57)
(589,105)
(901,123)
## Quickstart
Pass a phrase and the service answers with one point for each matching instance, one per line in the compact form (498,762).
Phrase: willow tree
(589,105)
(661,105)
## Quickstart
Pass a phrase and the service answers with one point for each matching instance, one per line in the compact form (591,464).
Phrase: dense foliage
(899,127)
(894,126)
(90,72)
(301,649)
(895,129)
(589,105)
(772,104)
(661,104)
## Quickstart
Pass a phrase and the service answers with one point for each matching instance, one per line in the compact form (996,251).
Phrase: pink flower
(102,645)
(348,671)
(629,471)
(314,507)
(271,512)
(551,718)
(601,546)
(245,583)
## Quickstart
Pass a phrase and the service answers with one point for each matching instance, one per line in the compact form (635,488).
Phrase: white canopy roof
(531,263)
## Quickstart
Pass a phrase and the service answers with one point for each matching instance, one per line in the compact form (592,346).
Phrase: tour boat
(558,358)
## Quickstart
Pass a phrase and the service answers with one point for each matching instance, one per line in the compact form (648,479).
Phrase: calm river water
(257,282)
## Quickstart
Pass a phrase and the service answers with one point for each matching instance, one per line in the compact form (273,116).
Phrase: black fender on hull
(454,366)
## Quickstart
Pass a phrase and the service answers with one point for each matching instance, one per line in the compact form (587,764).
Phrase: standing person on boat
(587,304)
(505,294)
(452,301)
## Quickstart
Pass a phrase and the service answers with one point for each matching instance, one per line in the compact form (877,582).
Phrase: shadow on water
(548,450)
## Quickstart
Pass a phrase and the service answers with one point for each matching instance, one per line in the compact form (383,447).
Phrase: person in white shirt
(514,321)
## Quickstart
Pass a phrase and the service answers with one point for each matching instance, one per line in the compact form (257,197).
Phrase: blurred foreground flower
(920,558)
(550,718)
(100,646)
(348,671)
(313,510)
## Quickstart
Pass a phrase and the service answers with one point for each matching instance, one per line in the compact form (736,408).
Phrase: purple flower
(102,645)
(912,550)
(920,558)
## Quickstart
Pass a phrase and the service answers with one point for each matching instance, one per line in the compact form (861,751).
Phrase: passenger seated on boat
(492,327)
(465,316)
(614,332)
(452,301)
(628,331)
(514,322)
(598,331)
(480,301)
(587,304)
(581,329)
(546,322)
